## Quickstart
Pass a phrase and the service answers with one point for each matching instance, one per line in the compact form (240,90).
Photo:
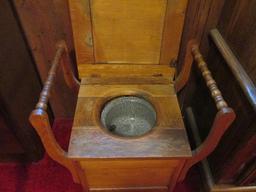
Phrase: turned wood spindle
(45,94)
(210,82)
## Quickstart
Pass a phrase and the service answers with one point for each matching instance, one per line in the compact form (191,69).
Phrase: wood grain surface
(126,74)
(89,140)
(128,31)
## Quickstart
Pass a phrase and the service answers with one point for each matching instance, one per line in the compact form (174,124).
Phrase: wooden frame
(40,120)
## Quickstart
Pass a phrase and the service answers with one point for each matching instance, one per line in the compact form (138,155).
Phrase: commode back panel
(127,31)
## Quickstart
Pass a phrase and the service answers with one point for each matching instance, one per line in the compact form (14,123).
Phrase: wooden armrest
(222,121)
(39,117)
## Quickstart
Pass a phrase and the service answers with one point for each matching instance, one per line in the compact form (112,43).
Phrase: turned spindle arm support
(39,117)
(224,117)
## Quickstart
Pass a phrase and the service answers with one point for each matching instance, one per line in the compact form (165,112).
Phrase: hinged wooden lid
(130,32)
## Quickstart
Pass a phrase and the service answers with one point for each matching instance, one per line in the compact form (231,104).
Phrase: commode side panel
(128,31)
(128,173)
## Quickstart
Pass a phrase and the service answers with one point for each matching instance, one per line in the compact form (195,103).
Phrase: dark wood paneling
(19,86)
(8,142)
(241,128)
(201,16)
(237,22)
(45,23)
(238,26)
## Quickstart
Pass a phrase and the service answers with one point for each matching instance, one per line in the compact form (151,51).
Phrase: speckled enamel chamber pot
(128,116)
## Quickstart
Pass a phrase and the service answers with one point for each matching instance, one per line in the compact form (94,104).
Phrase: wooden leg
(40,121)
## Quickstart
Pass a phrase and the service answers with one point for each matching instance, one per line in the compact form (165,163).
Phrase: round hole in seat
(128,116)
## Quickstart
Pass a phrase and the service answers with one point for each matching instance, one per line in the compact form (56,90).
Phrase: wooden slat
(126,74)
(81,22)
(174,21)
(101,90)
(128,31)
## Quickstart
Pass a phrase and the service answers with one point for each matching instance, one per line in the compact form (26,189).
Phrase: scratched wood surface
(126,74)
(110,162)
(80,14)
(89,140)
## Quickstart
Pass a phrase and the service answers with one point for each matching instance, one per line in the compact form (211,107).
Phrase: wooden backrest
(134,32)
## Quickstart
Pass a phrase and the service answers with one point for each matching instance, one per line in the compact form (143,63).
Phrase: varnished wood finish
(68,73)
(44,24)
(126,74)
(129,173)
(169,131)
(69,77)
(235,22)
(44,96)
(201,16)
(197,18)
(232,188)
(249,90)
(104,34)
(222,120)
(209,184)
(124,164)
(173,26)
(19,88)
(40,120)
(80,14)
(235,66)
(210,82)
(183,77)
(165,151)
(221,123)
(236,26)
(128,31)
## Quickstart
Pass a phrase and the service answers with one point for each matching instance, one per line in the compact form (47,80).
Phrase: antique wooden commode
(124,48)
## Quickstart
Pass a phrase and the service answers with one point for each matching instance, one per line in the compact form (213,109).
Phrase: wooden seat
(167,140)
(102,155)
